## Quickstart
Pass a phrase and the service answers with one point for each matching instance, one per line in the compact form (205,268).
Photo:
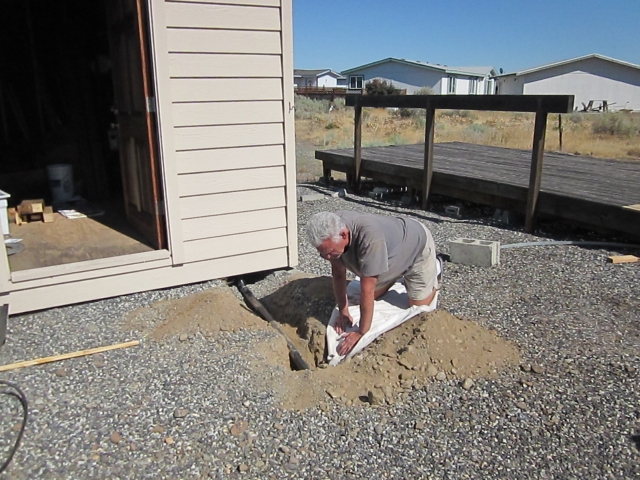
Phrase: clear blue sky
(508,34)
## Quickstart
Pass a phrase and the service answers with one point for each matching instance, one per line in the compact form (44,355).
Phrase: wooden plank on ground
(65,356)
(623,259)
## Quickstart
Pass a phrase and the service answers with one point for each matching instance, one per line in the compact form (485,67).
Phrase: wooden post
(428,154)
(560,131)
(357,148)
(537,155)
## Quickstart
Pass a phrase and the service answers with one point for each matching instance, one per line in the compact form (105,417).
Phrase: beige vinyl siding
(226,41)
(28,296)
(229,202)
(233,223)
(225,64)
(225,113)
(225,89)
(195,161)
(222,16)
(220,136)
(236,244)
(230,181)
(265,3)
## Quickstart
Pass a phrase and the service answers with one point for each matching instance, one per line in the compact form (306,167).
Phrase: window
(473,86)
(356,81)
(451,87)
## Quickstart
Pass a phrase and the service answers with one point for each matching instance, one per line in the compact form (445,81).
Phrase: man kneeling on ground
(379,249)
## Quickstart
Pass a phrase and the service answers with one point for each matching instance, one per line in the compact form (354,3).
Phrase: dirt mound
(427,348)
(209,313)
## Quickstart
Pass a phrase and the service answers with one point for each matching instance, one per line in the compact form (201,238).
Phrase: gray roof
(472,71)
(571,60)
(315,73)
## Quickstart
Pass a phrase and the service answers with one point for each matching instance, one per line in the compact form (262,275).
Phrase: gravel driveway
(191,408)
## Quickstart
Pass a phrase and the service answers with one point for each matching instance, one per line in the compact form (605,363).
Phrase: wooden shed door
(133,108)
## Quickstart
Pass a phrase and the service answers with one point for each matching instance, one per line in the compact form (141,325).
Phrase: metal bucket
(4,315)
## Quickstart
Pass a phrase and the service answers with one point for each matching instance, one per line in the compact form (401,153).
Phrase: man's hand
(348,342)
(343,321)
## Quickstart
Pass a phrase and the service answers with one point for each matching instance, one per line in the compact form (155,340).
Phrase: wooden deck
(588,190)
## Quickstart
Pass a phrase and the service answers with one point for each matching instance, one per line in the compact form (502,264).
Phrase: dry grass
(503,129)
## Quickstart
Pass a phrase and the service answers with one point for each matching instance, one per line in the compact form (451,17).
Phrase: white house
(592,77)
(413,75)
(318,78)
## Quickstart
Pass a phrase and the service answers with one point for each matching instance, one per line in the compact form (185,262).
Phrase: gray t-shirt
(381,246)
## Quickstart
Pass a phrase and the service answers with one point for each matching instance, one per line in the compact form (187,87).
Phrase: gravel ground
(191,410)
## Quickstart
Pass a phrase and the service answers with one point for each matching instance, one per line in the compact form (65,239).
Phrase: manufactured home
(171,123)
(412,75)
(594,80)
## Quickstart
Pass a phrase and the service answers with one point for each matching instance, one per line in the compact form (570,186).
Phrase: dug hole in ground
(430,347)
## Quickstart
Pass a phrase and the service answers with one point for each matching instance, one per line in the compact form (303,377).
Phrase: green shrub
(308,108)
(331,126)
(379,87)
(477,131)
(575,117)
(424,91)
(409,112)
(397,139)
(338,103)
(614,124)
(459,113)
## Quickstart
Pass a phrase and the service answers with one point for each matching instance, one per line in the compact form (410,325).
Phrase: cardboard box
(31,206)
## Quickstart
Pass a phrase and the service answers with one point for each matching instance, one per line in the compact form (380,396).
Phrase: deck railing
(542,105)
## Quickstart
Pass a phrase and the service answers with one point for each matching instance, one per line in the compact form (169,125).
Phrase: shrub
(424,91)
(409,112)
(338,103)
(614,124)
(379,87)
(308,108)
(575,117)
(477,131)
(459,113)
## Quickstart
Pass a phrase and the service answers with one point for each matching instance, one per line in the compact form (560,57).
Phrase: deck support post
(535,177)
(429,130)
(357,148)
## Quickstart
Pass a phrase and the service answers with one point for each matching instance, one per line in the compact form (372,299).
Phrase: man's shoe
(440,260)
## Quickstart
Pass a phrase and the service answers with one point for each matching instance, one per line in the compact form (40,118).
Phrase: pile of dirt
(429,347)
(209,313)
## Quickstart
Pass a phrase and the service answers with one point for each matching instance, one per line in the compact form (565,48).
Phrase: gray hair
(324,225)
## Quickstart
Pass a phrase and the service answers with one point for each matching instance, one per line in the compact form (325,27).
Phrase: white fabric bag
(390,310)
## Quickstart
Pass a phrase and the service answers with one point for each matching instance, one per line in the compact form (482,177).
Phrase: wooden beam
(427,174)
(535,177)
(505,103)
(623,259)
(65,356)
(357,147)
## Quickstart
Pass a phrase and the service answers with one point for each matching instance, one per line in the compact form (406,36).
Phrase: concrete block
(341,193)
(312,197)
(452,211)
(468,251)
(504,216)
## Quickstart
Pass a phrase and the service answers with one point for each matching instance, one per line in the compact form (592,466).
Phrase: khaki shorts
(422,277)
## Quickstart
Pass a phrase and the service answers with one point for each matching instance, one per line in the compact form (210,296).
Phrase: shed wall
(223,72)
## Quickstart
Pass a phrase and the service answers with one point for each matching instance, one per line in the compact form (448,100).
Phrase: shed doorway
(76,90)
